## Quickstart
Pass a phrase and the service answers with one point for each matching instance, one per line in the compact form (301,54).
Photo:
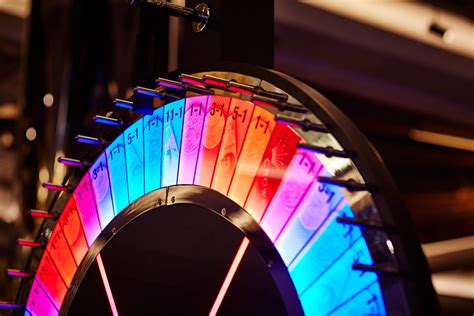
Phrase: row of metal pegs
(174,90)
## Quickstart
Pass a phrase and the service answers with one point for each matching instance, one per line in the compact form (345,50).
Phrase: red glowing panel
(300,174)
(86,205)
(39,303)
(72,228)
(51,280)
(258,135)
(237,123)
(194,114)
(59,251)
(275,161)
(217,111)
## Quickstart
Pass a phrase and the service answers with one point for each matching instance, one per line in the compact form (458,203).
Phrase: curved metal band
(209,200)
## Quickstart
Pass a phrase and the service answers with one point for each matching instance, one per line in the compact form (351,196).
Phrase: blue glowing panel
(323,251)
(134,156)
(315,209)
(39,303)
(153,143)
(368,302)
(118,173)
(192,131)
(173,114)
(339,283)
(99,174)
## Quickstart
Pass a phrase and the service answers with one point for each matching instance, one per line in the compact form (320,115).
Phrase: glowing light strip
(442,139)
(230,275)
(108,290)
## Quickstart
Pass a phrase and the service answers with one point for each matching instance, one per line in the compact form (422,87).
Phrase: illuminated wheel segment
(246,146)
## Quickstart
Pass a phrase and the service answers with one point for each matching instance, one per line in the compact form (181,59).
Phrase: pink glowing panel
(72,228)
(314,211)
(275,161)
(39,303)
(194,113)
(59,251)
(303,169)
(108,290)
(237,123)
(51,280)
(217,111)
(99,173)
(85,202)
(258,135)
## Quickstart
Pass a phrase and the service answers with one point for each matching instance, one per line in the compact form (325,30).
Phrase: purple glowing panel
(302,171)
(134,157)
(99,173)
(118,173)
(313,212)
(173,114)
(153,142)
(39,303)
(85,201)
(194,114)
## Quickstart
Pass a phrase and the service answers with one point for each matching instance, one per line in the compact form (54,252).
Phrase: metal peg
(123,104)
(328,151)
(89,140)
(56,187)
(99,119)
(18,273)
(9,305)
(199,15)
(350,184)
(41,214)
(73,162)
(29,243)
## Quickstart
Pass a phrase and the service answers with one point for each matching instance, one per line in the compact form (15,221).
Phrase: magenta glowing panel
(314,210)
(216,115)
(194,114)
(275,161)
(303,170)
(39,304)
(85,202)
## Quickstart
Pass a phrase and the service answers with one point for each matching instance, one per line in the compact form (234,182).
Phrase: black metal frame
(210,200)
(413,267)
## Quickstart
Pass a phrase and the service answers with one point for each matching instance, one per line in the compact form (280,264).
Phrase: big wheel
(232,191)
